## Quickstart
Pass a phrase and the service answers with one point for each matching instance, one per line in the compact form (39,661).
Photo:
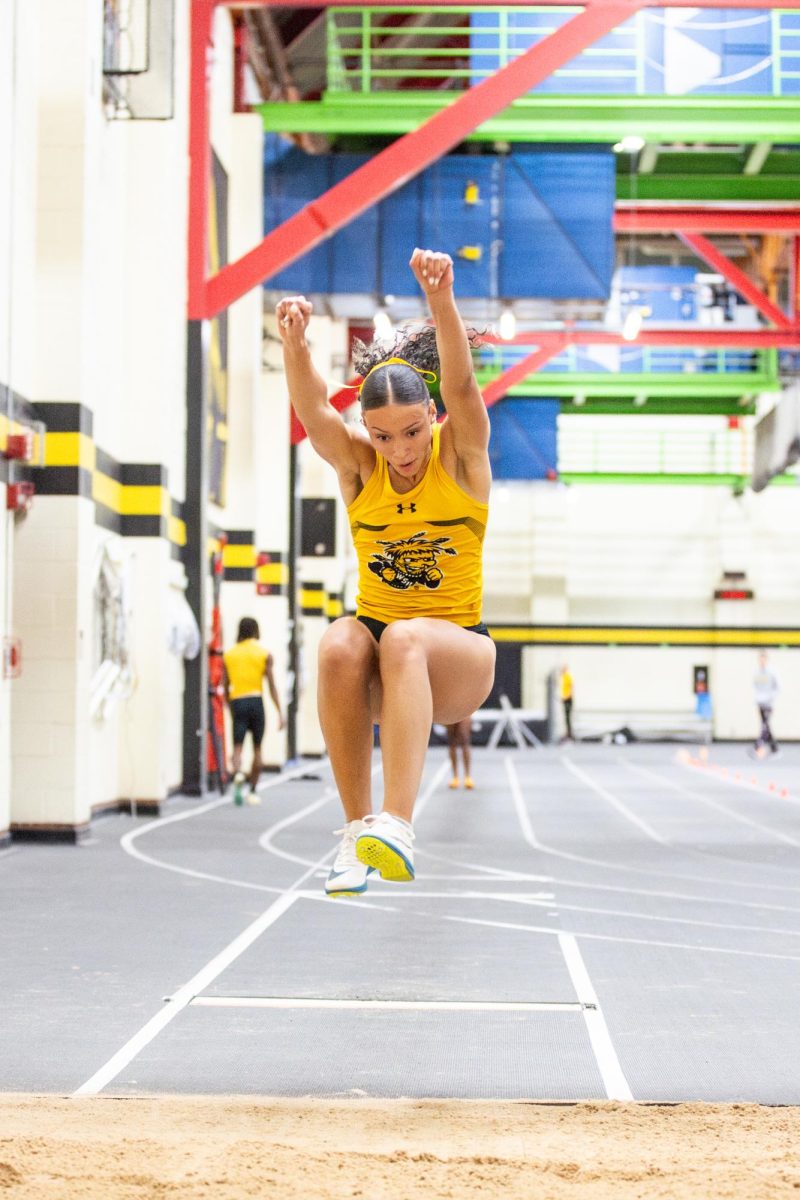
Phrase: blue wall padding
(556,225)
(524,441)
(543,224)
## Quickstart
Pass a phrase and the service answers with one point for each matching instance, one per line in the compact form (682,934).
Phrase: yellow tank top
(245,663)
(419,552)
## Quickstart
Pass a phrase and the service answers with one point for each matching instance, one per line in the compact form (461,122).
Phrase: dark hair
(397,383)
(248,628)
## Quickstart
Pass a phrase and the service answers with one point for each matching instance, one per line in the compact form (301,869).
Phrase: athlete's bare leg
(255,770)
(430,670)
(348,675)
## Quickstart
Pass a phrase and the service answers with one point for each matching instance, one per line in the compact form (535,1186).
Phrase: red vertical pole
(201,18)
(794,280)
(240,39)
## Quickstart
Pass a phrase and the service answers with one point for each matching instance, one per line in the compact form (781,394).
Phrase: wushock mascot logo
(411,562)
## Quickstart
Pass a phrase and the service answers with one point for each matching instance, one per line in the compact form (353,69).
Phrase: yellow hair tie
(428,376)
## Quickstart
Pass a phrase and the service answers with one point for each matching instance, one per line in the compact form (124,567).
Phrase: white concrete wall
(98,213)
(639,555)
(18,129)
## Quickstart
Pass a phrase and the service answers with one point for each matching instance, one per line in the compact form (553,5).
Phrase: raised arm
(461,396)
(308,392)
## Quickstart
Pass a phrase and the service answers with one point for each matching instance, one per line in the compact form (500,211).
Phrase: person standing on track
(417,499)
(458,738)
(247,665)
(567,693)
(765,689)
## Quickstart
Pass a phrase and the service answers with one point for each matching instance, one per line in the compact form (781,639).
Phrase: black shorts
(376,627)
(248,716)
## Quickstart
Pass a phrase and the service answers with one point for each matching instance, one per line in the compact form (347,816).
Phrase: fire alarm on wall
(19,496)
(12,657)
(20,446)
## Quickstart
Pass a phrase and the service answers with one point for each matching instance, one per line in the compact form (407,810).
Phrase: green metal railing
(623,447)
(654,360)
(367,54)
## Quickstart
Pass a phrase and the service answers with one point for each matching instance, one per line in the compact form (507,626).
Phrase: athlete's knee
(401,642)
(347,648)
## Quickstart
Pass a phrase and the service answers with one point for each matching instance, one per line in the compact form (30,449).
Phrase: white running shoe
(385,846)
(348,877)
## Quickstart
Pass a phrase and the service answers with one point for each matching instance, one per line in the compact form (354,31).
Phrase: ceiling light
(632,325)
(630,144)
(507,326)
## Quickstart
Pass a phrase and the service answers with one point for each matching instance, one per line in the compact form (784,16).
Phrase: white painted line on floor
(723,808)
(621,868)
(126,842)
(614,1081)
(651,943)
(206,975)
(615,802)
(402,1005)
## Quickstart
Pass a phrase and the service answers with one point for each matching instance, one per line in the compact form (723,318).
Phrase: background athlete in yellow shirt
(416,651)
(566,701)
(247,665)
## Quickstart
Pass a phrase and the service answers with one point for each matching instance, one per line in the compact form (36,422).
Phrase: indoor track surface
(591,922)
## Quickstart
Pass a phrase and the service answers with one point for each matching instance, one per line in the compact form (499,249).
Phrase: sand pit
(230,1147)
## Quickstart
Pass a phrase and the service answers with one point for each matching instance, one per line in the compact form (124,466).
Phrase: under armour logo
(407,507)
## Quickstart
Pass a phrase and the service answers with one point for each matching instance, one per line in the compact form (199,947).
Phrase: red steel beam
(340,400)
(719,339)
(706,250)
(706,220)
(202,15)
(550,342)
(794,281)
(519,371)
(410,154)
(511,3)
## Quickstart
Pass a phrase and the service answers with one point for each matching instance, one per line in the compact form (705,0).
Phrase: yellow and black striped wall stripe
(131,499)
(644,635)
(240,561)
(334,605)
(316,601)
(313,599)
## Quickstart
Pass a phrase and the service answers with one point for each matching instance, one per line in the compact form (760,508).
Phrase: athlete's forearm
(308,392)
(455,357)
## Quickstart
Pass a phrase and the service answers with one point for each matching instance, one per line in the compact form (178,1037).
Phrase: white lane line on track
(605,1056)
(615,803)
(654,873)
(206,975)
(716,804)
(126,842)
(267,838)
(627,941)
(608,1064)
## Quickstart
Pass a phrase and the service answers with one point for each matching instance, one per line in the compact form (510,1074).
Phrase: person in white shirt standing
(765,689)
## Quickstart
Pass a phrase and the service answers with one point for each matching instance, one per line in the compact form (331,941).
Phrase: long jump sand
(229,1147)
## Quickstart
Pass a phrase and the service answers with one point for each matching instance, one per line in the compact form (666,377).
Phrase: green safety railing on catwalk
(449,48)
(623,446)
(655,360)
